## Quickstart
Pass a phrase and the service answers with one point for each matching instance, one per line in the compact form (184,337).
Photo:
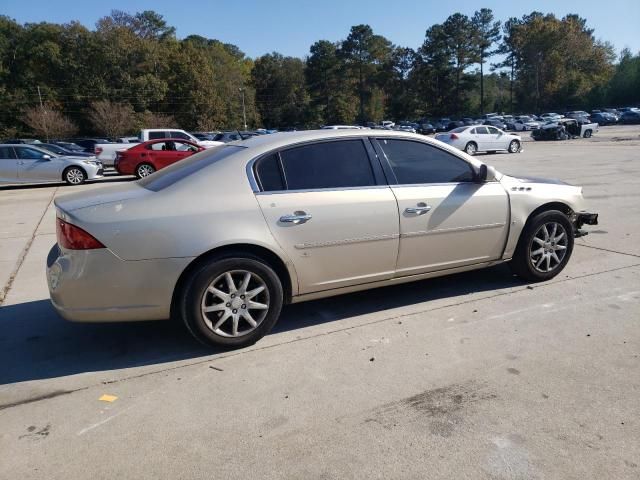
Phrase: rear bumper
(97,286)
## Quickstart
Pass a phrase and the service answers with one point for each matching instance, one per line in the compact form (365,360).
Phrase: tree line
(131,71)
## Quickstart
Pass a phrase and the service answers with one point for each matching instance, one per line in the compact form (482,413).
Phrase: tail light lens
(74,238)
(454,136)
(97,150)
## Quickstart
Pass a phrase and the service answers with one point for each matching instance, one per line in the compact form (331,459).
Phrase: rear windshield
(184,168)
(458,130)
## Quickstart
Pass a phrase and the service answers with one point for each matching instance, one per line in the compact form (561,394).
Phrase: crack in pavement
(311,337)
(14,273)
(608,250)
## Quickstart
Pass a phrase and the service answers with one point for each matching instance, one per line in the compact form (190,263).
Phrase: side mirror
(481,176)
(46,157)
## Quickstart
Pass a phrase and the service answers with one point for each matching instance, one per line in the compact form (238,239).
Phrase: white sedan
(525,123)
(481,138)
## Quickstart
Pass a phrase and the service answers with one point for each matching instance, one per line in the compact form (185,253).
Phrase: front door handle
(297,218)
(420,209)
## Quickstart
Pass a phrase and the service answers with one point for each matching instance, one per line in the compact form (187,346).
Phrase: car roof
(265,143)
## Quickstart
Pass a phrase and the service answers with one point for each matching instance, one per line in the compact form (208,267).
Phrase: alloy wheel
(75,176)
(145,170)
(235,303)
(548,247)
(514,146)
(470,148)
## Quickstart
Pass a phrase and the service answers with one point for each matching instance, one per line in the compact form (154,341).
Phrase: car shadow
(35,343)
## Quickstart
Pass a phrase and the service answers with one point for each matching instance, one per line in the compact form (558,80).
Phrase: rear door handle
(420,209)
(297,218)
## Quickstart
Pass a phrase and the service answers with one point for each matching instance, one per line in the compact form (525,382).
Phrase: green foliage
(135,62)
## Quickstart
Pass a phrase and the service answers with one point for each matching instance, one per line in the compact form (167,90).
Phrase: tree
(459,33)
(486,34)
(155,120)
(48,123)
(363,54)
(112,119)
(281,94)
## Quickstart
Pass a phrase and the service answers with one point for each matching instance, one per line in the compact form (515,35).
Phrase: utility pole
(43,113)
(244,112)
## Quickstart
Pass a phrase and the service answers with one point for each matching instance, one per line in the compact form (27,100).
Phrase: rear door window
(156,135)
(334,164)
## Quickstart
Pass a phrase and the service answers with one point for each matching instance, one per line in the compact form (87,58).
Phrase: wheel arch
(268,256)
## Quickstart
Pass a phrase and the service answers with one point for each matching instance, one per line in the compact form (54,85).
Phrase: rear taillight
(74,238)
(97,150)
(453,136)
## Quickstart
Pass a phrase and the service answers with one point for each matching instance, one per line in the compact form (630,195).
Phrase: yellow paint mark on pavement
(108,398)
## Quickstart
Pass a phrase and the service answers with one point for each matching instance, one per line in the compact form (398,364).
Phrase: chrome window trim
(253,182)
(312,190)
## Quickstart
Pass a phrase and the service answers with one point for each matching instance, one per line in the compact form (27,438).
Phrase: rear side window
(180,170)
(7,153)
(269,174)
(156,135)
(335,164)
(417,163)
(482,130)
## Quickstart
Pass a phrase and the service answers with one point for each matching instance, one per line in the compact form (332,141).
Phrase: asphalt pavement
(474,376)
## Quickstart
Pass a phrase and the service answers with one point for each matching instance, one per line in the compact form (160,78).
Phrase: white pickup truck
(106,152)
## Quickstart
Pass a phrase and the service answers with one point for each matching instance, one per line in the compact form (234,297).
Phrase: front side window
(419,163)
(26,153)
(336,164)
(182,135)
(493,130)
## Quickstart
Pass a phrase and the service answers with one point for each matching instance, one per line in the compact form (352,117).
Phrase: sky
(291,26)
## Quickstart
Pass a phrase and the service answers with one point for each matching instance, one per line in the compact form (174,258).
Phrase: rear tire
(514,146)
(74,176)
(541,256)
(144,170)
(587,134)
(237,316)
(471,148)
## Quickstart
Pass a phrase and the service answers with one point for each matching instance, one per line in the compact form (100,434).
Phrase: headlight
(91,162)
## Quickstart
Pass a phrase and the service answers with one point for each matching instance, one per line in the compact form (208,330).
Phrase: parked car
(88,144)
(630,117)
(453,124)
(58,150)
(17,141)
(426,129)
(72,147)
(576,114)
(20,163)
(481,138)
(604,118)
(524,123)
(223,239)
(387,123)
(548,117)
(127,140)
(468,121)
(496,122)
(442,124)
(564,129)
(146,158)
(106,152)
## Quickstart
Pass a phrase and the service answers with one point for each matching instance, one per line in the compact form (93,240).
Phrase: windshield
(54,149)
(179,171)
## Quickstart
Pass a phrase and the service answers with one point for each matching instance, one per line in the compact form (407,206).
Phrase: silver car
(31,164)
(223,239)
(481,138)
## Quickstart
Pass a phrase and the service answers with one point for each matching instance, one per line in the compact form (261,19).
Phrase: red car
(145,158)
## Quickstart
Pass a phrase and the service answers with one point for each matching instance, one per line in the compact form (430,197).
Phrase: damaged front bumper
(583,218)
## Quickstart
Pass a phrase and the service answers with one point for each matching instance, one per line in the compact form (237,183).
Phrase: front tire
(514,146)
(231,302)
(587,134)
(74,176)
(544,248)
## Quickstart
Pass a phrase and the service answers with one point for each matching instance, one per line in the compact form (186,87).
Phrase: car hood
(552,181)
